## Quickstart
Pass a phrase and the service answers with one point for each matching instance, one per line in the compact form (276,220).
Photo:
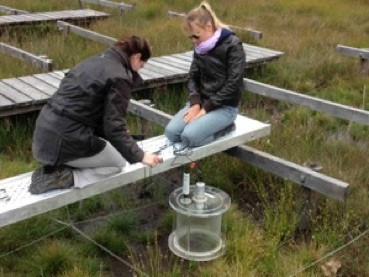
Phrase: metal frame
(23,205)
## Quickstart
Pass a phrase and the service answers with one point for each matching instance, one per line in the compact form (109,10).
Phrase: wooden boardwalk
(30,93)
(41,17)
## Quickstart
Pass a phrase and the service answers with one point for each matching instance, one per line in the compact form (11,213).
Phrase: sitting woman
(215,81)
(81,133)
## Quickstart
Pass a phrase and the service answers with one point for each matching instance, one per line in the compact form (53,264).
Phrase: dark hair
(134,45)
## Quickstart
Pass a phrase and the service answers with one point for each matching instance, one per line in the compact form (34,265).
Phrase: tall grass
(262,234)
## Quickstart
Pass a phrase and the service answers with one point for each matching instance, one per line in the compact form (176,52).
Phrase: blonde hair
(202,15)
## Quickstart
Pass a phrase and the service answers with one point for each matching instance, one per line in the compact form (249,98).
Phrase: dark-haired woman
(81,133)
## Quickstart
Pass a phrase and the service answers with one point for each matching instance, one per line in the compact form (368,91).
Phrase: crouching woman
(81,134)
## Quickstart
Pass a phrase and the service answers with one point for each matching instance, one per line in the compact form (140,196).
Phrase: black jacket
(216,77)
(91,102)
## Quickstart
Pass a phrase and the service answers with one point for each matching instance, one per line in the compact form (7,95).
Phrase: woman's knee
(190,137)
(171,133)
(121,163)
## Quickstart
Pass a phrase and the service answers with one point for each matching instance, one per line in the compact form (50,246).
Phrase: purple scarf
(207,45)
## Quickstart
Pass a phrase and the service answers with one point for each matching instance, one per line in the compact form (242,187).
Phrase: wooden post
(145,124)
(8,122)
(80,4)
(66,31)
(309,207)
(364,66)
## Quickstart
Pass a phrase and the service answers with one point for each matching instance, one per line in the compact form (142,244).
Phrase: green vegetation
(263,237)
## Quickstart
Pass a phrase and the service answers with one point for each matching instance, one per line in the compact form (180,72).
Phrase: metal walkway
(40,17)
(17,204)
(29,93)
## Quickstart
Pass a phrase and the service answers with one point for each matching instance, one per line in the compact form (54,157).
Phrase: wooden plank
(54,15)
(254,55)
(88,13)
(121,6)
(172,63)
(258,49)
(149,113)
(13,94)
(49,79)
(353,52)
(152,66)
(67,15)
(40,85)
(156,82)
(167,67)
(16,109)
(152,75)
(48,17)
(5,102)
(11,19)
(325,106)
(45,64)
(183,57)
(87,33)
(12,10)
(188,54)
(32,17)
(58,73)
(145,76)
(41,17)
(256,35)
(22,204)
(79,14)
(328,186)
(31,92)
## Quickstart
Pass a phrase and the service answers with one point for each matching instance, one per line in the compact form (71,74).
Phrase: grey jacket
(90,103)
(216,78)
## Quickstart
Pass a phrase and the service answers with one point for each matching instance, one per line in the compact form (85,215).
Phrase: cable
(101,246)
(331,253)
(112,214)
(32,242)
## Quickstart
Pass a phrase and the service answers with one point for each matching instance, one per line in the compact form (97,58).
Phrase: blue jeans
(202,130)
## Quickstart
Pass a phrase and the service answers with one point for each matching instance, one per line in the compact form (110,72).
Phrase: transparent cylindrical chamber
(198,225)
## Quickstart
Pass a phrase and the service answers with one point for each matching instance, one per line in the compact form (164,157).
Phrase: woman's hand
(151,160)
(193,113)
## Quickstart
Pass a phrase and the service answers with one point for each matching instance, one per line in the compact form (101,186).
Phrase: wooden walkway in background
(41,17)
(29,93)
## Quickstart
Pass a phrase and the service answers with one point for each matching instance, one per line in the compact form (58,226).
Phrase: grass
(262,227)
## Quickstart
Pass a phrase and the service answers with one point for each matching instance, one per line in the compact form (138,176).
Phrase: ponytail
(202,15)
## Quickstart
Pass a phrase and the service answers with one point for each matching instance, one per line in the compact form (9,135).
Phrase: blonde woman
(215,81)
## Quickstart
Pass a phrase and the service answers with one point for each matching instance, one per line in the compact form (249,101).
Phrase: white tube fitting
(200,196)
